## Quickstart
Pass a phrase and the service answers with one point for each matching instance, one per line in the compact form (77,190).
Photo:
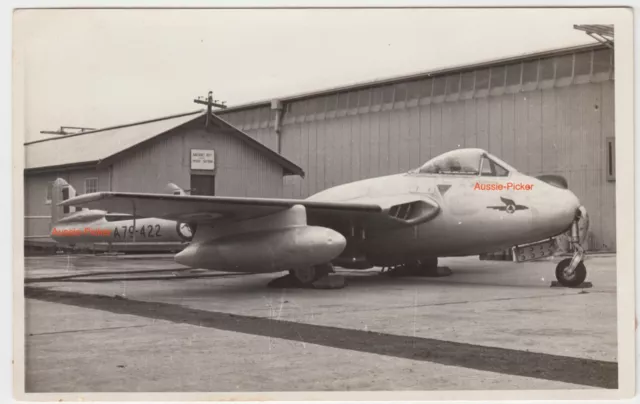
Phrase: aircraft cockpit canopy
(466,162)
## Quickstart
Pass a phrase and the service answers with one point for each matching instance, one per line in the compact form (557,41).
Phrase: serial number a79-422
(146,231)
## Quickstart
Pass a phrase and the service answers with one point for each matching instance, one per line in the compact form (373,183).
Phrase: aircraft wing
(365,212)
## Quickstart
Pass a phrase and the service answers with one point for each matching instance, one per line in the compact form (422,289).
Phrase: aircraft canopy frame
(471,162)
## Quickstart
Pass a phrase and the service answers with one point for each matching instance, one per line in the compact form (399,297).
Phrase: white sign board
(202,159)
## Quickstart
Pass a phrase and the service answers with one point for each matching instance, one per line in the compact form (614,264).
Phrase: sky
(97,68)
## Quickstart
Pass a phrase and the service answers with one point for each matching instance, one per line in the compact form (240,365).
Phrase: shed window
(611,159)
(90,185)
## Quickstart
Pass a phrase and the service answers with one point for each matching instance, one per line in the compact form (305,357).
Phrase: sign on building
(202,159)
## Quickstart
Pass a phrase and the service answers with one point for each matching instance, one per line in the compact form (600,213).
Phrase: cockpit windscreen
(464,162)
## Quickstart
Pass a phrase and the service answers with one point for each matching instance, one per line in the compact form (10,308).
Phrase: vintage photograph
(323,200)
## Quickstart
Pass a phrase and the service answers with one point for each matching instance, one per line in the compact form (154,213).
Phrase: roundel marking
(184,231)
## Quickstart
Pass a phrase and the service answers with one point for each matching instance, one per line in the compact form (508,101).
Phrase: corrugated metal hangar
(205,156)
(550,112)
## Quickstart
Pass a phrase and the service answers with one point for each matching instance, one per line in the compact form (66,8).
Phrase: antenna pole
(210,103)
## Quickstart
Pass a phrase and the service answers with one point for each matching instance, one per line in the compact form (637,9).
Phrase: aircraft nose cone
(566,206)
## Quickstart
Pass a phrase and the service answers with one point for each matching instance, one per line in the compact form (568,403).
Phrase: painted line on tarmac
(84,330)
(89,278)
(588,372)
(76,275)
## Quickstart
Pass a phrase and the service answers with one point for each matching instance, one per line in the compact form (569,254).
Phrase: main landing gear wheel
(306,276)
(316,277)
(570,278)
(427,267)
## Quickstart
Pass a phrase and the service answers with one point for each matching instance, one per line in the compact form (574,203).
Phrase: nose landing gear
(571,272)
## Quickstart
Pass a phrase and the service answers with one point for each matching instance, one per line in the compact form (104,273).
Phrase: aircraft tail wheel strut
(571,272)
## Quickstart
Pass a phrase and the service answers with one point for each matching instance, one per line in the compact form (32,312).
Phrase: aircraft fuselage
(101,230)
(477,214)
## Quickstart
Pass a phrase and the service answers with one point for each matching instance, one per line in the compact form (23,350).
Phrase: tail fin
(60,191)
(173,189)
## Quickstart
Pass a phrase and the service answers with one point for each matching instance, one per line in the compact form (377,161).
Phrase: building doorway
(203,184)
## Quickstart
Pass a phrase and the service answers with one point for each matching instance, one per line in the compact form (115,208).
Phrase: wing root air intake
(414,212)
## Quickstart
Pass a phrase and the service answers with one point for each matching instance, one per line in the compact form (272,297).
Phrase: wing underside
(398,210)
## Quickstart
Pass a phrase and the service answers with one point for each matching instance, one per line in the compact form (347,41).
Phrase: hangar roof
(421,75)
(94,146)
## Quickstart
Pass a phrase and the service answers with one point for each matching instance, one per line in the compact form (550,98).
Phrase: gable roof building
(145,156)
(96,146)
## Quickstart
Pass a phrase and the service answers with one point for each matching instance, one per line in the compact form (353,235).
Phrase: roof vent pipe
(276,105)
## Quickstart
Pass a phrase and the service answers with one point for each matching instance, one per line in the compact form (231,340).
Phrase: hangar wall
(546,113)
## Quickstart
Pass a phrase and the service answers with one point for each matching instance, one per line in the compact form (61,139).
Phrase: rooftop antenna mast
(210,103)
(600,32)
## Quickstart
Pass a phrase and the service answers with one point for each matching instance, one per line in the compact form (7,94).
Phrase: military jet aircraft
(463,202)
(71,227)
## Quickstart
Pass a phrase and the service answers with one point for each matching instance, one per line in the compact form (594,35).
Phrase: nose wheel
(569,277)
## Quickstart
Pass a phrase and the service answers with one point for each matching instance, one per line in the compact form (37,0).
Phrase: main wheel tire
(305,276)
(574,280)
(308,275)
(422,267)
(429,265)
